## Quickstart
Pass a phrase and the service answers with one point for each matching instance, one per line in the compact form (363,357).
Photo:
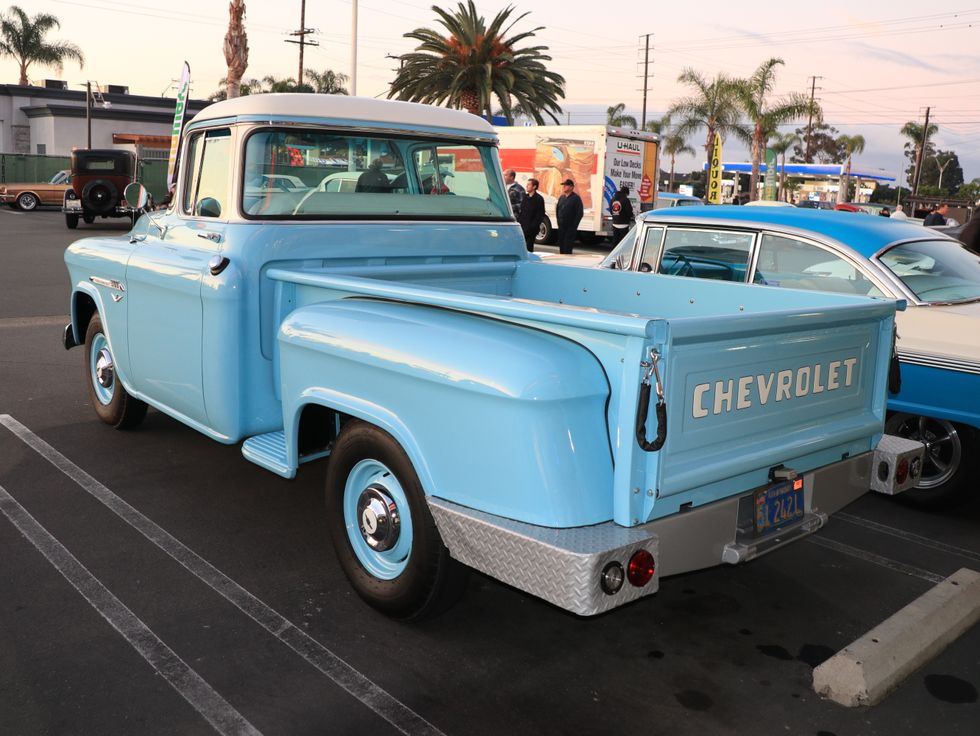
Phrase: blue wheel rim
(391,563)
(102,393)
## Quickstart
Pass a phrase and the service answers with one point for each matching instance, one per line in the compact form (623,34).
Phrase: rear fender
(494,416)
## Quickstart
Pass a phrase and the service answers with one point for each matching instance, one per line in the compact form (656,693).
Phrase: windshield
(936,270)
(321,174)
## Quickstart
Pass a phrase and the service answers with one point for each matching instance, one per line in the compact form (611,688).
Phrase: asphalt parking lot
(156,582)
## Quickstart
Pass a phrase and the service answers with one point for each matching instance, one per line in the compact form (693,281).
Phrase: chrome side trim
(108,283)
(936,361)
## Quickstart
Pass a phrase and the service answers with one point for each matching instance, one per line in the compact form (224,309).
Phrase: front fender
(494,416)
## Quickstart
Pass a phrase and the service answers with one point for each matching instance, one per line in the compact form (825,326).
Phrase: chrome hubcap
(378,518)
(104,368)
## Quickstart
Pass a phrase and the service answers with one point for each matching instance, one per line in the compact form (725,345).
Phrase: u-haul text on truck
(598,158)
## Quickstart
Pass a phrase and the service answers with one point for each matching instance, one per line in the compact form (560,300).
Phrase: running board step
(269,451)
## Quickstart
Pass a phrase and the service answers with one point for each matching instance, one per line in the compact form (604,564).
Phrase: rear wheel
(382,531)
(112,402)
(949,459)
(71,221)
(27,202)
(87,219)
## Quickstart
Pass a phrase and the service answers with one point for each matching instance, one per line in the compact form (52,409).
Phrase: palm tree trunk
(470,101)
(236,48)
(23,75)
(781,192)
(670,181)
(844,182)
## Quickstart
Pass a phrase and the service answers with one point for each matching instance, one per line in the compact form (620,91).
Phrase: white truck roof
(365,109)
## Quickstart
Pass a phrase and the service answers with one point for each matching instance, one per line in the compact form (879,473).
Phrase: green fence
(27,168)
(15,167)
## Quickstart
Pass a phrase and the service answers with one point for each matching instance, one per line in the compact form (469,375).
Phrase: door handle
(210,235)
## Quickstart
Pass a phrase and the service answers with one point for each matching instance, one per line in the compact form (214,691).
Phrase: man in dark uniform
(568,212)
(515,192)
(531,214)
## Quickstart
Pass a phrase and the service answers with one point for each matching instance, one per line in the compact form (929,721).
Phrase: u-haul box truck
(598,158)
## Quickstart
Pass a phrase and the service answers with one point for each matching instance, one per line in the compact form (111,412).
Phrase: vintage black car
(98,177)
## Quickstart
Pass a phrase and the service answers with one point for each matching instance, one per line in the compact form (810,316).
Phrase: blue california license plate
(778,505)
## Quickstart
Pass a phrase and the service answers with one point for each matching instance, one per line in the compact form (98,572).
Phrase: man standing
(532,214)
(937,216)
(568,212)
(622,213)
(898,214)
(515,191)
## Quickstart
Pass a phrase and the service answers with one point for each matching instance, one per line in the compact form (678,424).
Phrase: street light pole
(88,112)
(353,50)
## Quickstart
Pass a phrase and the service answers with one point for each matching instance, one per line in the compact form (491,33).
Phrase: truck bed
(753,378)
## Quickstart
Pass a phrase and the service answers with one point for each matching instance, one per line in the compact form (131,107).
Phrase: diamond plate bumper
(562,566)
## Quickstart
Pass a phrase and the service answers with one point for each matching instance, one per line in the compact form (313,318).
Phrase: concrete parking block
(864,672)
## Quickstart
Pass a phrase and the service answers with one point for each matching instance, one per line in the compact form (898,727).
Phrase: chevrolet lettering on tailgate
(733,394)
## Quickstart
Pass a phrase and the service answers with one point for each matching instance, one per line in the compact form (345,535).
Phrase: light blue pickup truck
(343,277)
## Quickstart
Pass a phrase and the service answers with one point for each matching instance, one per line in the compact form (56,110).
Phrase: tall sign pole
(714,172)
(646,70)
(809,125)
(178,126)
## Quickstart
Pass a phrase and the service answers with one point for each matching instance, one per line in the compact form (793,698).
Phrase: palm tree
(781,143)
(275,84)
(327,82)
(658,125)
(617,117)
(713,106)
(674,144)
(765,114)
(236,48)
(852,144)
(22,38)
(475,62)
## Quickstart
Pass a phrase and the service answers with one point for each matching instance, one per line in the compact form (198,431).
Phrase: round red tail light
(903,471)
(641,568)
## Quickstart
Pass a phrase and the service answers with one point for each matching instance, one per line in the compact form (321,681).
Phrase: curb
(865,671)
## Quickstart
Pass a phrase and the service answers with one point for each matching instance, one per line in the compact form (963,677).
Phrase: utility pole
(646,74)
(809,124)
(918,157)
(303,32)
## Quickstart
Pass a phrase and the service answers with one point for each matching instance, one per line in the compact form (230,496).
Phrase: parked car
(939,400)
(814,204)
(767,203)
(672,199)
(27,197)
(98,179)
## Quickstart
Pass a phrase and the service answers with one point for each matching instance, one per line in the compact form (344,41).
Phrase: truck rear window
(292,174)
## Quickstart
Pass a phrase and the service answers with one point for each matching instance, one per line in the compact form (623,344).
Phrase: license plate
(73,204)
(778,505)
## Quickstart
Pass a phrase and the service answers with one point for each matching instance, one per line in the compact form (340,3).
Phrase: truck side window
(206,178)
(721,255)
(797,264)
(651,247)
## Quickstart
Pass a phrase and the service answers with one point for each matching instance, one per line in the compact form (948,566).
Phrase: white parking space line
(378,700)
(57,321)
(211,706)
(874,559)
(908,536)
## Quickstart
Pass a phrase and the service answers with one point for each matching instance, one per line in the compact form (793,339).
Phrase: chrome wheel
(944,446)
(27,201)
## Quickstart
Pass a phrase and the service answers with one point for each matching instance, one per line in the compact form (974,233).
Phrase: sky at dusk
(879,64)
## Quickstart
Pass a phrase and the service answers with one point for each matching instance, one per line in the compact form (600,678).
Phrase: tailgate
(746,393)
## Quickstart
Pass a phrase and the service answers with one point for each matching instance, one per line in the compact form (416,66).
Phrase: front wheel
(948,462)
(382,531)
(112,402)
(27,202)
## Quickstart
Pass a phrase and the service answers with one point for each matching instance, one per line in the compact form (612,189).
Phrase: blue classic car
(938,335)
